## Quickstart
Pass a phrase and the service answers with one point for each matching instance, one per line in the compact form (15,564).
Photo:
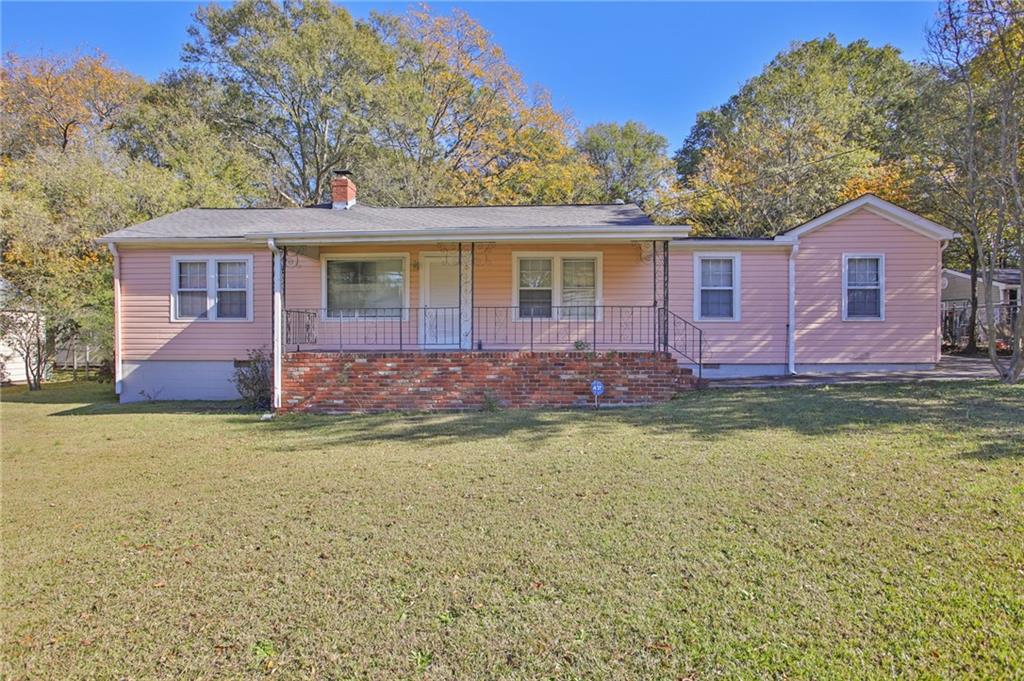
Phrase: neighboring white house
(12,366)
(1005,286)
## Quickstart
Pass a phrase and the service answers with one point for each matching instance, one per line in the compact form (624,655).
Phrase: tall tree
(301,81)
(976,153)
(53,205)
(812,128)
(461,126)
(58,101)
(175,126)
(103,167)
(630,159)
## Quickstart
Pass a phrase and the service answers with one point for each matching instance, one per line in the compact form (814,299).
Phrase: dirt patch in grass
(849,531)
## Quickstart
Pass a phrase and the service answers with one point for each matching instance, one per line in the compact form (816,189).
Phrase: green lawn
(858,531)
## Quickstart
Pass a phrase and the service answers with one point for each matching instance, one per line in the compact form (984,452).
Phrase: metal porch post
(472,293)
(462,344)
(655,319)
(466,285)
(664,294)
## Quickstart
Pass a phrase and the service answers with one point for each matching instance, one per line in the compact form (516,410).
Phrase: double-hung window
(863,287)
(717,286)
(536,287)
(211,288)
(563,286)
(579,288)
(365,286)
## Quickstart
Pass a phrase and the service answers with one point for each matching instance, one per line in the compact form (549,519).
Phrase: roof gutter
(399,236)
(502,234)
(174,241)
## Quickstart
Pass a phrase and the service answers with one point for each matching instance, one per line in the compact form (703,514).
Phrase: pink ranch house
(364,308)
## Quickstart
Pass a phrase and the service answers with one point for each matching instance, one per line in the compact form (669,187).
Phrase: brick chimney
(343,190)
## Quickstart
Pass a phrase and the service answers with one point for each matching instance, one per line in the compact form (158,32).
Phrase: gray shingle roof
(222,223)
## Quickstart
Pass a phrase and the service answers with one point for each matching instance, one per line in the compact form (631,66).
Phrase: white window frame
(737,284)
(363,257)
(211,287)
(556,258)
(881,286)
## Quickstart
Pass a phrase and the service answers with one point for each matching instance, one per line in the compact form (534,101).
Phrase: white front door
(440,319)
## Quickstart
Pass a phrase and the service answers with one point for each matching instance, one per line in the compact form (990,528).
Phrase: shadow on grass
(993,412)
(92,397)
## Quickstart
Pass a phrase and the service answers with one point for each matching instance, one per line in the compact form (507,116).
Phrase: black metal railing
(377,328)
(300,327)
(565,327)
(587,328)
(684,338)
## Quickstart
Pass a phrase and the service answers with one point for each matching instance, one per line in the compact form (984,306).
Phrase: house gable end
(879,207)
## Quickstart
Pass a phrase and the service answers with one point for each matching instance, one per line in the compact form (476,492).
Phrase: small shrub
(491,402)
(105,374)
(252,379)
(581,346)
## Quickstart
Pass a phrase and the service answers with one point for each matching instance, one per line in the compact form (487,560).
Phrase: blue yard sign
(597,387)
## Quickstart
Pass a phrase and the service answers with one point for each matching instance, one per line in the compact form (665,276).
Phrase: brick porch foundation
(333,382)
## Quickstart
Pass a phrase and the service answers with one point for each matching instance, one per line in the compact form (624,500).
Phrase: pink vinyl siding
(759,336)
(147,331)
(628,278)
(909,332)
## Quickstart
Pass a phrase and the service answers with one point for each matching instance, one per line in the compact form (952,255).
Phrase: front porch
(467,325)
(482,296)
(464,325)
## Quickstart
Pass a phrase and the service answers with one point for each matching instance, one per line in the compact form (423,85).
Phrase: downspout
(276,402)
(791,330)
(118,372)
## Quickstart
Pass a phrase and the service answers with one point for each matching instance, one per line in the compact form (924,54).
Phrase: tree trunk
(29,376)
(972,322)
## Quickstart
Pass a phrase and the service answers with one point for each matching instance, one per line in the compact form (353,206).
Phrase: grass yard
(852,531)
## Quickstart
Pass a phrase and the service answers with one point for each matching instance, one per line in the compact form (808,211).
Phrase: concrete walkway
(951,368)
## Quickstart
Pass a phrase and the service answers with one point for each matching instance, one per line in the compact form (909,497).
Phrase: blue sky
(659,63)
